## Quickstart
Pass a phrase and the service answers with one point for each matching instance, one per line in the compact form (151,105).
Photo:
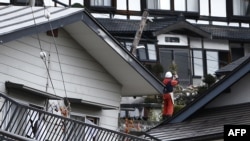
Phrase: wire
(58,57)
(44,60)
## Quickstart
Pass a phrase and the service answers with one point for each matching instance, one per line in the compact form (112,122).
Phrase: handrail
(19,119)
(6,136)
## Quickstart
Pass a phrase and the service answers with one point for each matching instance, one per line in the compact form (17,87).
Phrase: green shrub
(178,108)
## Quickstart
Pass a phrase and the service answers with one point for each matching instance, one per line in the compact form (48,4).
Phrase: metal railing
(22,120)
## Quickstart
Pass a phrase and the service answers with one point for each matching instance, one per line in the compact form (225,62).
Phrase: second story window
(213,8)
(100,2)
(174,5)
(158,4)
(241,8)
(128,5)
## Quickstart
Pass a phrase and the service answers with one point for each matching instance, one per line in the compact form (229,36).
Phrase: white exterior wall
(84,78)
(195,43)
(239,94)
(216,44)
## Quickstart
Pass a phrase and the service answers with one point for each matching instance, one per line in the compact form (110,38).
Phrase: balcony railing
(22,121)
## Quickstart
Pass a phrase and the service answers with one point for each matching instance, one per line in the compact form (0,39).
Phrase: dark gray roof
(227,32)
(217,32)
(194,116)
(230,67)
(207,124)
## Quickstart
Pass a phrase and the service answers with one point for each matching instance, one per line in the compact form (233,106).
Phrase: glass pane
(128,45)
(142,53)
(181,58)
(212,62)
(107,2)
(192,6)
(180,5)
(204,6)
(158,4)
(241,7)
(100,2)
(79,118)
(121,5)
(218,8)
(134,5)
(197,63)
(151,52)
(165,56)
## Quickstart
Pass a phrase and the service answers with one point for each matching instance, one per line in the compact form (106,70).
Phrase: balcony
(21,122)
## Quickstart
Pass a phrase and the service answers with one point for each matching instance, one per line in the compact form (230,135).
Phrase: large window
(180,57)
(158,4)
(176,5)
(210,62)
(100,2)
(130,5)
(241,7)
(216,8)
(145,52)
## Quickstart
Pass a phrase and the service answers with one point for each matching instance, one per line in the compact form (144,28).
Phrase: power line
(47,15)
(44,59)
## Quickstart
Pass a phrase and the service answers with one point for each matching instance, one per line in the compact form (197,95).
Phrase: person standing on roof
(169,81)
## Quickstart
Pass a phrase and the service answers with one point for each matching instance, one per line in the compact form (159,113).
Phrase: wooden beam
(139,32)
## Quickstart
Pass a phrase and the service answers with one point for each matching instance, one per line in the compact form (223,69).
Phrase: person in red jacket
(168,97)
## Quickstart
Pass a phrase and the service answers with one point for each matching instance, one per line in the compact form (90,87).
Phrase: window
(216,8)
(176,5)
(241,7)
(180,5)
(197,63)
(172,39)
(237,51)
(146,52)
(100,2)
(158,4)
(212,61)
(79,117)
(193,5)
(209,62)
(130,5)
(151,52)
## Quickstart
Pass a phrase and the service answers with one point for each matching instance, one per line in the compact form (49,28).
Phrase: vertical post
(139,32)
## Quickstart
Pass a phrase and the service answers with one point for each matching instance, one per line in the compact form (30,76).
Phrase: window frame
(235,18)
(172,12)
(205,60)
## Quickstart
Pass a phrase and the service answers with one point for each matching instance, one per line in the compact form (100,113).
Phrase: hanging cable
(42,53)
(47,15)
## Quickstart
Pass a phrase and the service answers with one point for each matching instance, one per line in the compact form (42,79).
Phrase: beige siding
(84,78)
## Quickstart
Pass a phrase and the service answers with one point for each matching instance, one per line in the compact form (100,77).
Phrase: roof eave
(40,27)
(213,92)
(184,25)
